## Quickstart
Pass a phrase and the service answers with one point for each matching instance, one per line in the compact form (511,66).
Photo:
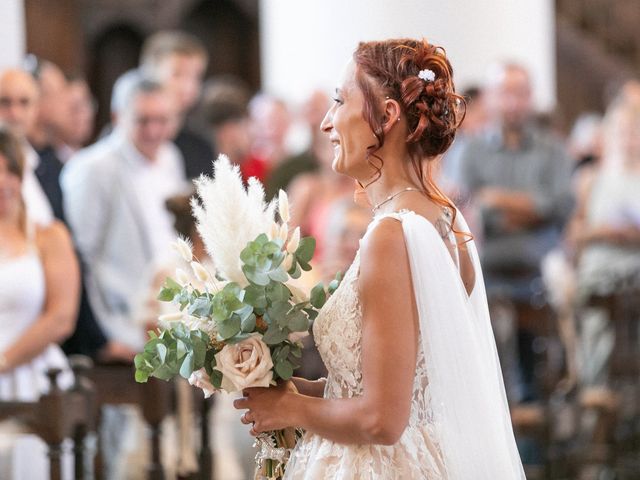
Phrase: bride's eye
(338,100)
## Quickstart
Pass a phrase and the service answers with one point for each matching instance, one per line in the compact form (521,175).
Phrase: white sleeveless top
(22,297)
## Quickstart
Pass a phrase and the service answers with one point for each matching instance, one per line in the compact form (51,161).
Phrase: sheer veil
(467,393)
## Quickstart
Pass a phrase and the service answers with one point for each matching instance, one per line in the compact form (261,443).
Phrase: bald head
(18,100)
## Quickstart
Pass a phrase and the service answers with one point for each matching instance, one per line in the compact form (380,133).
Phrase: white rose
(200,379)
(245,364)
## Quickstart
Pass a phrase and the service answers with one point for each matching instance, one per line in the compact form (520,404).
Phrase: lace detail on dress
(338,334)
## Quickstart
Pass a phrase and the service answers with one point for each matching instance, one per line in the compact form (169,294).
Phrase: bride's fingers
(246,418)
(241,403)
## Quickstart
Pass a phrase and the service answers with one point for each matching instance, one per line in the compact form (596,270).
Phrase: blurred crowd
(86,217)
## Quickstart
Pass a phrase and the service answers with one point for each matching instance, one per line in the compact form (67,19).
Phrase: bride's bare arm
(310,388)
(389,349)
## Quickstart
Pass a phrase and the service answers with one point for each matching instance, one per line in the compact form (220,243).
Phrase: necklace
(391,197)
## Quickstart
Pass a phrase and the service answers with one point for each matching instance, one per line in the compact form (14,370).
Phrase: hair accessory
(427,75)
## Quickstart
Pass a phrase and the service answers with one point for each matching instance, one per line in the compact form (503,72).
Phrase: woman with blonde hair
(39,285)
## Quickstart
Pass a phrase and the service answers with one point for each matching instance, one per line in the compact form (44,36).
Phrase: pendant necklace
(391,197)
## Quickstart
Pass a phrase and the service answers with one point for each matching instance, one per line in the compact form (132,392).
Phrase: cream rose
(245,364)
(200,379)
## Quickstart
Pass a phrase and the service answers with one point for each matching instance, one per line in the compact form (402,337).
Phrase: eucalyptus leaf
(305,249)
(255,296)
(229,327)
(162,352)
(318,296)
(295,271)
(186,369)
(277,292)
(141,377)
(284,370)
(200,307)
(248,324)
(274,335)
(297,321)
(216,378)
(278,275)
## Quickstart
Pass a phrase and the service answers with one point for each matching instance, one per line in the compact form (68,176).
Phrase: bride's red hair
(433,109)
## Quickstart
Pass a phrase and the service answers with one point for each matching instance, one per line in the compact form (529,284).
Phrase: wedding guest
(78,127)
(179,60)
(605,230)
(39,285)
(307,161)
(225,109)
(518,177)
(46,133)
(475,121)
(270,122)
(19,97)
(312,195)
(132,172)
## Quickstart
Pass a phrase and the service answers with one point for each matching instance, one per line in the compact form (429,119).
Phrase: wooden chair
(115,385)
(56,416)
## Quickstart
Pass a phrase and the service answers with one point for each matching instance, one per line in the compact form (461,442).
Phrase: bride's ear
(392,114)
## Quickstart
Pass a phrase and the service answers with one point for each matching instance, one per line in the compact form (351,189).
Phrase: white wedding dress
(459,426)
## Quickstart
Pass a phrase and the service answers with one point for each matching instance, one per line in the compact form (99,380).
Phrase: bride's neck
(391,182)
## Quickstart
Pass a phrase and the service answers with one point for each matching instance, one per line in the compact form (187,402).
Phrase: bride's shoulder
(383,244)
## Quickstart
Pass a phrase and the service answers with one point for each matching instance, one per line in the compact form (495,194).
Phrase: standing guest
(124,180)
(518,177)
(19,95)
(270,121)
(179,60)
(39,284)
(225,109)
(46,133)
(308,160)
(79,123)
(313,194)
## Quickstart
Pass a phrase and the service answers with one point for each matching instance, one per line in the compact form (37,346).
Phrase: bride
(414,387)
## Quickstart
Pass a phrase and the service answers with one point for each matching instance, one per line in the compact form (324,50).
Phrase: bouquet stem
(274,450)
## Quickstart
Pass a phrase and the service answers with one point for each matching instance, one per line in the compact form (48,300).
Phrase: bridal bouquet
(240,323)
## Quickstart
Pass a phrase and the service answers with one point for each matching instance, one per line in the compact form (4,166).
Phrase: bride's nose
(327,122)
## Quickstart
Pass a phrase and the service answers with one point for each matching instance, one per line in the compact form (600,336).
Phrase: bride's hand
(267,408)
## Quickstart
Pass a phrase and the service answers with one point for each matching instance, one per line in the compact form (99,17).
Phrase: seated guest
(39,284)
(606,230)
(518,178)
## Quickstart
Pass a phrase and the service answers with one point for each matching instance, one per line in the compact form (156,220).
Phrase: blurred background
(546,169)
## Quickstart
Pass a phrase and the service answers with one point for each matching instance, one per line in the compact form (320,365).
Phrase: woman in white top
(414,388)
(39,284)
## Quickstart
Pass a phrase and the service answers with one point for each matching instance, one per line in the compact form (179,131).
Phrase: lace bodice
(338,335)
(338,331)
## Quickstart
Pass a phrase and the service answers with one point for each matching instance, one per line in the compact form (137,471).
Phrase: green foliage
(235,313)
(176,351)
